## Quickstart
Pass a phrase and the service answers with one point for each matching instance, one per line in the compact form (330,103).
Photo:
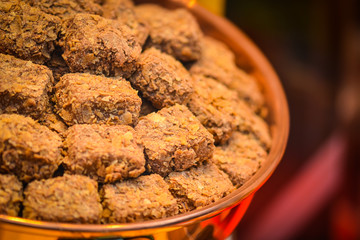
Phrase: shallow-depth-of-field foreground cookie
(28,149)
(135,200)
(215,106)
(105,153)
(11,191)
(98,45)
(199,186)
(162,79)
(87,98)
(174,140)
(70,198)
(27,32)
(240,158)
(175,32)
(24,86)
(218,62)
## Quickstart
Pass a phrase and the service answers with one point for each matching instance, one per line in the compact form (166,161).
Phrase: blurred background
(314,47)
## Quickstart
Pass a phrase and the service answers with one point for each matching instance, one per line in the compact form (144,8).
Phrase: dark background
(314,47)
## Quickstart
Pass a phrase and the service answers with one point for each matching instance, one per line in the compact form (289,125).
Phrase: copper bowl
(217,220)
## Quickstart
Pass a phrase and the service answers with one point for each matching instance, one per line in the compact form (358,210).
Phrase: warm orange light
(191,3)
(188,3)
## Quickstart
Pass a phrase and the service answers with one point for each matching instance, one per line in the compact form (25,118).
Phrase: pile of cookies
(112,112)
